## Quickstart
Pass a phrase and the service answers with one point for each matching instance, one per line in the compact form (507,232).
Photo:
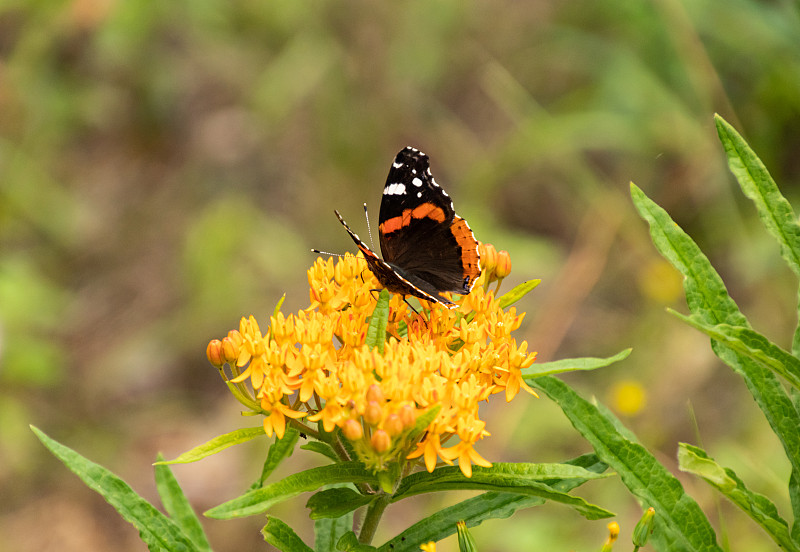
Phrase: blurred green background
(165,168)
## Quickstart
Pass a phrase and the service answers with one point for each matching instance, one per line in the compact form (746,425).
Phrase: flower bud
(375,393)
(214,353)
(503,264)
(466,543)
(236,338)
(644,528)
(373,413)
(352,430)
(488,256)
(407,416)
(613,533)
(380,441)
(393,425)
(230,351)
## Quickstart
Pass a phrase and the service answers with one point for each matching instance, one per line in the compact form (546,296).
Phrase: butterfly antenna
(369,229)
(318,252)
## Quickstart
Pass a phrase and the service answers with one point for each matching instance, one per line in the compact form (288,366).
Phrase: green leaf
(775,212)
(376,331)
(278,305)
(705,291)
(156,530)
(475,510)
(260,500)
(779,219)
(751,344)
(794,497)
(328,531)
(709,300)
(695,460)
(517,293)
(681,524)
(522,479)
(321,448)
(336,502)
(216,445)
(178,507)
(280,450)
(282,537)
(571,364)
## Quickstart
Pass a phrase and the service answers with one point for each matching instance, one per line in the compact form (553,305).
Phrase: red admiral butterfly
(427,249)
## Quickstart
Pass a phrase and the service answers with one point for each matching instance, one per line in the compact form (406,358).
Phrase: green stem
(243,398)
(303,428)
(373,517)
(339,449)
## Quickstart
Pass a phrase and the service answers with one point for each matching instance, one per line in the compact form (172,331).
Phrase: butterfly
(427,249)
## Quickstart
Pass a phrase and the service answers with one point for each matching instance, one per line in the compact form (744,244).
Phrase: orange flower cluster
(316,365)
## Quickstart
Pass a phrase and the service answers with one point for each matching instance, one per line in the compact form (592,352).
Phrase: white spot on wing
(397,165)
(395,189)
(419,194)
(417,182)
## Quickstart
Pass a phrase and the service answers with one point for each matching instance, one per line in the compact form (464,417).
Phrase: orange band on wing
(426,210)
(470,261)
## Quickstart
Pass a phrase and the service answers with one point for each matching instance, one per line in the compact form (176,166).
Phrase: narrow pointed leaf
(694,460)
(282,537)
(321,448)
(475,510)
(376,331)
(260,500)
(517,293)
(336,502)
(278,305)
(216,445)
(571,364)
(280,450)
(709,300)
(794,497)
(681,524)
(780,221)
(776,213)
(751,344)
(706,293)
(156,530)
(522,479)
(178,507)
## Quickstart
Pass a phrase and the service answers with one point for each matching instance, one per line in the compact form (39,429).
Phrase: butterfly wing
(420,234)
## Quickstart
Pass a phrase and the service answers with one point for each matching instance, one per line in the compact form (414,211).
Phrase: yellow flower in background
(660,282)
(628,397)
(316,366)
